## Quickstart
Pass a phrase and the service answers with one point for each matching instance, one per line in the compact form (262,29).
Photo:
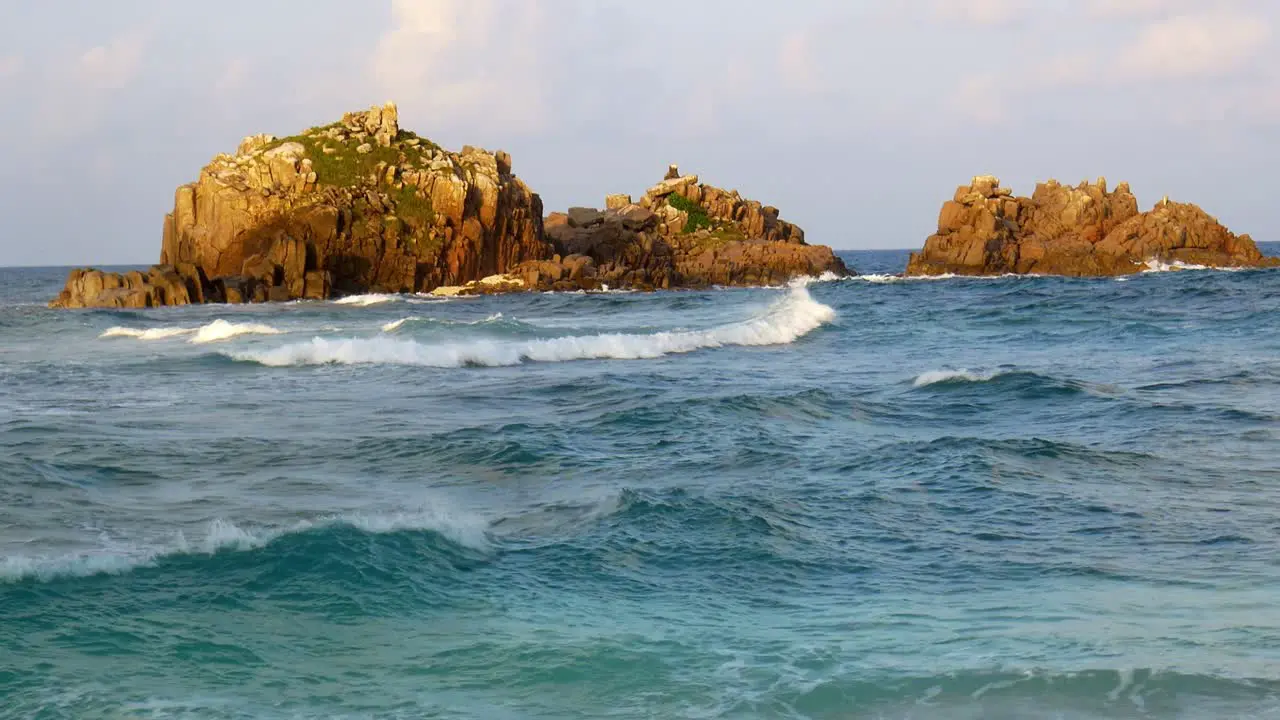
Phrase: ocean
(1018,497)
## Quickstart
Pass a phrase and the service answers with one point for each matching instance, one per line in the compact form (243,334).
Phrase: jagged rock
(1079,231)
(363,206)
(682,234)
(580,217)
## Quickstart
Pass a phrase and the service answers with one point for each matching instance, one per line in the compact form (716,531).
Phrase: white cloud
(979,12)
(796,65)
(10,65)
(112,66)
(1113,9)
(1190,45)
(979,99)
(463,62)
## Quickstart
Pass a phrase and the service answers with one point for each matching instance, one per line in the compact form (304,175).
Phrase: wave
(470,532)
(937,377)
(148,334)
(885,278)
(396,325)
(222,330)
(213,332)
(368,299)
(788,319)
(1159,266)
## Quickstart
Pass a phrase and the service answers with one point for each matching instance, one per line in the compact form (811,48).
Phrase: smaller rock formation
(682,233)
(1076,231)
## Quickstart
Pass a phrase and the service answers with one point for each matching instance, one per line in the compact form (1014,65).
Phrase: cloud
(74,90)
(10,65)
(979,12)
(1113,9)
(978,98)
(1191,45)
(112,66)
(462,62)
(796,65)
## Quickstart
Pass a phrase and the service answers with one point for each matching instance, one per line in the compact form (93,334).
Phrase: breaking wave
(368,299)
(937,377)
(396,325)
(1159,266)
(796,314)
(471,532)
(215,331)
(147,334)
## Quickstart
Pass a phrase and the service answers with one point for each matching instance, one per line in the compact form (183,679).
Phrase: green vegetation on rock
(698,217)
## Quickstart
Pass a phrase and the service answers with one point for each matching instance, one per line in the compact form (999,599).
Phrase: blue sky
(856,117)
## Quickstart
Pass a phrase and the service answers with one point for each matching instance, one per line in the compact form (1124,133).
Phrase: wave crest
(937,377)
(215,331)
(796,314)
(471,532)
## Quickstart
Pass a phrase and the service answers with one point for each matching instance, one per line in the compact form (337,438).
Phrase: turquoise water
(870,498)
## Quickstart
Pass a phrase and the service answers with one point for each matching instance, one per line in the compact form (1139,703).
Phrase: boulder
(1085,230)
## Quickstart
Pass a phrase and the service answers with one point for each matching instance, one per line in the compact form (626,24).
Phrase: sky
(857,118)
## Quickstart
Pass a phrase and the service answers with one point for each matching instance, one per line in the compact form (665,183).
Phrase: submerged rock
(1086,230)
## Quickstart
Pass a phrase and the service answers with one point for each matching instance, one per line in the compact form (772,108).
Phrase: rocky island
(363,206)
(1075,231)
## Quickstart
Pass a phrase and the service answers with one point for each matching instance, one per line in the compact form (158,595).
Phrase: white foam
(884,278)
(791,317)
(213,332)
(148,334)
(368,299)
(1158,266)
(219,330)
(935,377)
(224,536)
(394,326)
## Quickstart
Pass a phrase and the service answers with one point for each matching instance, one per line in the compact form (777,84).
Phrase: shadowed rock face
(1081,231)
(363,206)
(682,233)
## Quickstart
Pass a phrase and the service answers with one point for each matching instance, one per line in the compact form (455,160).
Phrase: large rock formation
(363,206)
(1081,231)
(682,233)
(356,206)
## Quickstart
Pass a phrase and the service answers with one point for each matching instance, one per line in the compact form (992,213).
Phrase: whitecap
(397,324)
(368,299)
(793,316)
(1158,266)
(147,334)
(213,332)
(934,377)
(470,531)
(222,330)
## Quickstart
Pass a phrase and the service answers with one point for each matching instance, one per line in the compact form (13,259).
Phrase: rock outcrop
(356,206)
(364,206)
(1076,231)
(681,233)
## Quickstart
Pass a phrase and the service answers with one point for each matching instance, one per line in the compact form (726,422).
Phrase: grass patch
(698,217)
(346,166)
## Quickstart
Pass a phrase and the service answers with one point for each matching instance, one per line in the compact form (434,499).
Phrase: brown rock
(1080,231)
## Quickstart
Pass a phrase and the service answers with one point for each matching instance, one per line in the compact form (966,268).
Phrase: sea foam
(793,316)
(215,331)
(368,299)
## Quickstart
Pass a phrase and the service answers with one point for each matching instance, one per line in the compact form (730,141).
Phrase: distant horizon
(854,120)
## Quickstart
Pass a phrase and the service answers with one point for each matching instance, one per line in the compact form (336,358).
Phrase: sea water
(1008,497)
